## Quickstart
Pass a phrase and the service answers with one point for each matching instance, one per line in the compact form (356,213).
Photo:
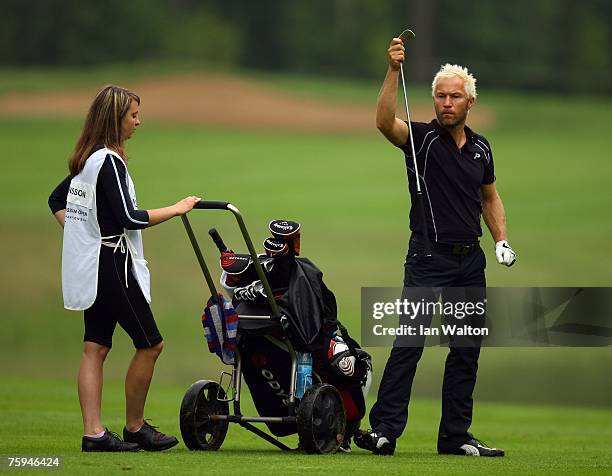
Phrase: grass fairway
(349,193)
(42,418)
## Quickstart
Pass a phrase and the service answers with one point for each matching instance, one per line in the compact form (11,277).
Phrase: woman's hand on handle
(160,215)
(186,205)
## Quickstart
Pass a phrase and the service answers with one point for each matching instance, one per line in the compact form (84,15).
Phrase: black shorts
(116,303)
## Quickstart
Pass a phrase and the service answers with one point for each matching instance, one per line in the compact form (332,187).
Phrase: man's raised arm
(394,129)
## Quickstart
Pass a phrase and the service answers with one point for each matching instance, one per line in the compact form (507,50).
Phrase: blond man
(456,171)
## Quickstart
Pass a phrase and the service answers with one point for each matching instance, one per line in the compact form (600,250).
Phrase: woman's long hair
(102,125)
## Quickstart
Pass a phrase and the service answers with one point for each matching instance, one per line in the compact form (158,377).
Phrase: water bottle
(304,373)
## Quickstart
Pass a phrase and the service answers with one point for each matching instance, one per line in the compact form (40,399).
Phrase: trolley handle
(211,205)
(219,205)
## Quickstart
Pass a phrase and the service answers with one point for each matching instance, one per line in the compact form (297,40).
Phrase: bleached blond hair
(450,70)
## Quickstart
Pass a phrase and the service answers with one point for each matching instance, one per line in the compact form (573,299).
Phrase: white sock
(96,435)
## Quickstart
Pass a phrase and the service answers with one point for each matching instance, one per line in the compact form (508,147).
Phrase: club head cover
(275,247)
(233,263)
(231,280)
(288,231)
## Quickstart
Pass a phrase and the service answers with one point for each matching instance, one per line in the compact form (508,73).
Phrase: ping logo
(476,156)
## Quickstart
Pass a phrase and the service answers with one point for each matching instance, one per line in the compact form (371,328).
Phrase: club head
(407,35)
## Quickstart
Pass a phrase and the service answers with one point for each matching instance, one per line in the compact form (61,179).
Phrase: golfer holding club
(451,182)
(104,271)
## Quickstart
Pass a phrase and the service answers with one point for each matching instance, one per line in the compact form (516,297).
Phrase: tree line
(557,45)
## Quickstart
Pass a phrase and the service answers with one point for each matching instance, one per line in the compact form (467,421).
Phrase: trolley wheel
(321,420)
(197,430)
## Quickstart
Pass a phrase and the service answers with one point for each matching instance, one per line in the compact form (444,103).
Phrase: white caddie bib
(82,239)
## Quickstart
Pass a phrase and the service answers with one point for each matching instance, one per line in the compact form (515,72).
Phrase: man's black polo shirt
(450,181)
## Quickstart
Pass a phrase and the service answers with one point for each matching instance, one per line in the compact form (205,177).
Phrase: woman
(104,271)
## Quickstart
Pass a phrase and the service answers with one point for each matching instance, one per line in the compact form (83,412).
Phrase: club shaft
(420,201)
(414,160)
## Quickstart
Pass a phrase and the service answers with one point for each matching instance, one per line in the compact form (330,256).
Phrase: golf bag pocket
(266,367)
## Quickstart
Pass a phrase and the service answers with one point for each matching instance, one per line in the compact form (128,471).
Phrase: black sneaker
(472,447)
(375,442)
(109,442)
(345,447)
(149,439)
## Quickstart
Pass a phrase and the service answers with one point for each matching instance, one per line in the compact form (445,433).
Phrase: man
(455,166)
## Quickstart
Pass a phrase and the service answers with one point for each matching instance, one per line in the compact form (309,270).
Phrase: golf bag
(309,321)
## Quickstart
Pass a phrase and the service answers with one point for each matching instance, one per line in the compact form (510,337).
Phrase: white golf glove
(504,254)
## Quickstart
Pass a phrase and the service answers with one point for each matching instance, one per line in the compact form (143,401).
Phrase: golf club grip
(214,234)
(211,205)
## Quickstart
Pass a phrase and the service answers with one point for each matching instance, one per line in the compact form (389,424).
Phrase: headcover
(287,231)
(233,263)
(275,247)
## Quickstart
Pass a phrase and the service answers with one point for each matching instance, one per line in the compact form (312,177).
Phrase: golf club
(405,36)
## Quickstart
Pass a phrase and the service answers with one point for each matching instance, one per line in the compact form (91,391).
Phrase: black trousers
(389,414)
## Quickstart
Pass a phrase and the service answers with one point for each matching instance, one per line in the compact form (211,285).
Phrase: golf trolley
(318,417)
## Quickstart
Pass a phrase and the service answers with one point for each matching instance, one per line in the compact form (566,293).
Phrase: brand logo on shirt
(82,194)
(476,156)
(78,192)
